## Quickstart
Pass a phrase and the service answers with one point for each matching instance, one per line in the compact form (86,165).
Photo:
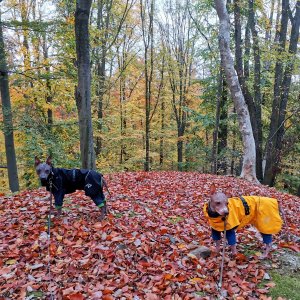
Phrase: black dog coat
(65,181)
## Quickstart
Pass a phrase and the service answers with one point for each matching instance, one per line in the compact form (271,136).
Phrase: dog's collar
(50,176)
(50,179)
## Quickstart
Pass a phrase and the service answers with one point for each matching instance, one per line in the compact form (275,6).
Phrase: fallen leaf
(76,296)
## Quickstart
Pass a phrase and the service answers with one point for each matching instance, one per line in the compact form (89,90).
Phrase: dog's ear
(49,160)
(36,161)
(213,189)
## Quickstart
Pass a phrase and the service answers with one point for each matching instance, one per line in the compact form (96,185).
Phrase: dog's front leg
(216,236)
(218,245)
(233,250)
(103,211)
(231,239)
(56,211)
(58,202)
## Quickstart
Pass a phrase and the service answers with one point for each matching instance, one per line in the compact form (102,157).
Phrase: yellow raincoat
(264,215)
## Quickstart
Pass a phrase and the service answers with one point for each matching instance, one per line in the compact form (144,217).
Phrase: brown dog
(237,212)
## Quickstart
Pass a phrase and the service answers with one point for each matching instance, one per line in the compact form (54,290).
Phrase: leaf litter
(142,250)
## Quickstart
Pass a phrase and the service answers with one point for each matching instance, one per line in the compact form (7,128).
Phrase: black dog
(64,181)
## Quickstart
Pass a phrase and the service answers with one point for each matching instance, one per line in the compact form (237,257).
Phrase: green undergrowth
(287,286)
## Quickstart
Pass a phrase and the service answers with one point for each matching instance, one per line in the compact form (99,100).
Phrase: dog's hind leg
(101,203)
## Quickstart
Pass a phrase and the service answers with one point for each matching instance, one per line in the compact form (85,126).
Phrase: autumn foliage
(140,251)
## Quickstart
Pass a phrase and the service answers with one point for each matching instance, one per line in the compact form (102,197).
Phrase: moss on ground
(287,286)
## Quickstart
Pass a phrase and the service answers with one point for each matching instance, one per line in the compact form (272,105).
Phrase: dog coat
(65,181)
(262,212)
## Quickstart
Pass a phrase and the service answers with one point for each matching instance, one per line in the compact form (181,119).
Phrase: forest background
(159,98)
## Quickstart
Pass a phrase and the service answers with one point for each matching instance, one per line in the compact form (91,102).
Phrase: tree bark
(281,92)
(254,104)
(223,129)
(272,154)
(147,14)
(257,129)
(7,119)
(162,132)
(214,155)
(249,160)
(162,112)
(49,97)
(83,91)
(102,25)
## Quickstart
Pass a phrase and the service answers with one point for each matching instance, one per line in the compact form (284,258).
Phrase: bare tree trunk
(122,61)
(254,104)
(257,93)
(83,91)
(102,25)
(281,93)
(223,130)
(233,150)
(249,161)
(122,118)
(214,159)
(7,119)
(49,98)
(147,11)
(162,132)
(162,112)
(272,154)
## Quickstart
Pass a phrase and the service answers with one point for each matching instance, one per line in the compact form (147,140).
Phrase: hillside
(140,251)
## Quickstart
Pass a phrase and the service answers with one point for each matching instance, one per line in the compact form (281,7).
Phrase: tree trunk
(147,11)
(180,134)
(233,156)
(214,156)
(162,112)
(102,26)
(257,131)
(7,119)
(122,89)
(223,130)
(83,91)
(49,98)
(247,52)
(162,133)
(249,160)
(281,92)
(272,154)
(254,105)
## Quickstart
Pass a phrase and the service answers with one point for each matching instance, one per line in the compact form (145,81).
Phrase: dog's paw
(264,256)
(101,218)
(55,212)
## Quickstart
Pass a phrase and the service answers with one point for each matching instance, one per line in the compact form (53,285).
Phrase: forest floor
(142,249)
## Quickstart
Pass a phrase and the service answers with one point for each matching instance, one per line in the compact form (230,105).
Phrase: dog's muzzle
(43,181)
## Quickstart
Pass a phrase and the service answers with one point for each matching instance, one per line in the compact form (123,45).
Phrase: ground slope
(140,251)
